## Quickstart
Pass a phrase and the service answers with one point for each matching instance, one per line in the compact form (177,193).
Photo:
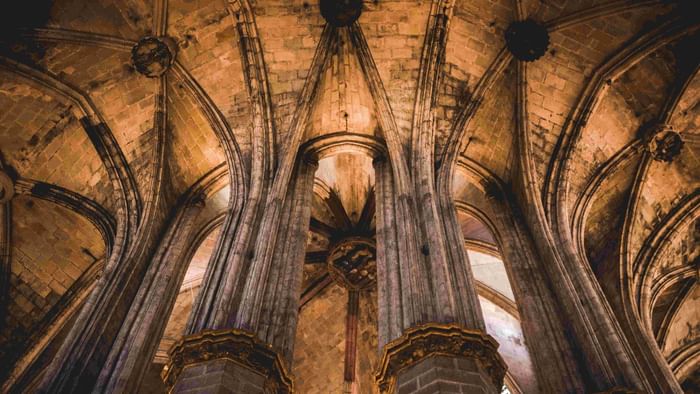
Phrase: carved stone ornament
(435,339)
(527,40)
(153,56)
(340,13)
(664,143)
(7,188)
(353,263)
(238,346)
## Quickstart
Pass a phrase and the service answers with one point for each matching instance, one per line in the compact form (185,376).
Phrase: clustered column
(250,348)
(427,345)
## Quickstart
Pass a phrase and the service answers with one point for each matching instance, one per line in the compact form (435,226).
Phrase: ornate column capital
(239,346)
(435,339)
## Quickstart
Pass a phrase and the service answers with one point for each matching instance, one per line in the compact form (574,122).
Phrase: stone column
(249,350)
(556,365)
(430,325)
(141,224)
(138,339)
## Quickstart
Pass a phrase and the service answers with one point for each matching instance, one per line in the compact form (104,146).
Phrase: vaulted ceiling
(612,70)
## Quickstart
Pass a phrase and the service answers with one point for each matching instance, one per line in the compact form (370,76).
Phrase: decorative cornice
(239,346)
(435,339)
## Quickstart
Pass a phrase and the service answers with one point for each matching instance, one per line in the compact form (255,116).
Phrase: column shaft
(427,301)
(138,339)
(265,327)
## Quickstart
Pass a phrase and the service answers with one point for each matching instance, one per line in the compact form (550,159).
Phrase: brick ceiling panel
(288,52)
(686,119)
(474,39)
(492,129)
(208,49)
(215,205)
(685,329)
(647,84)
(557,80)
(194,149)
(610,128)
(605,217)
(124,98)
(665,187)
(679,251)
(41,139)
(395,32)
(344,100)
(51,248)
(129,19)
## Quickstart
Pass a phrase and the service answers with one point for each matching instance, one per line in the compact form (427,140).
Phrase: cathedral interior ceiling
(588,112)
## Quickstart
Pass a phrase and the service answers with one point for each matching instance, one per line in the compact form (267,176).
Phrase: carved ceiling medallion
(353,263)
(340,13)
(527,40)
(153,56)
(664,144)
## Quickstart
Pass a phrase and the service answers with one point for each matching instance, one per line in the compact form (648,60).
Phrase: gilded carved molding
(435,339)
(239,346)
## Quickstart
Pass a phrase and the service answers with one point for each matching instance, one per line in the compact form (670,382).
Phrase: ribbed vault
(82,135)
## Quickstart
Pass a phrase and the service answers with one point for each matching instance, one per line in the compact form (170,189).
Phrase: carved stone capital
(7,188)
(434,339)
(239,346)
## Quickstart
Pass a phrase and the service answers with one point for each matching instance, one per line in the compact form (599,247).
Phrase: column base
(441,358)
(225,361)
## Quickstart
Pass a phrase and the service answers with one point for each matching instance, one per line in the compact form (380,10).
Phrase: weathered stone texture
(395,31)
(129,19)
(556,80)
(216,107)
(51,249)
(492,123)
(193,149)
(209,50)
(442,374)
(320,343)
(219,376)
(367,343)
